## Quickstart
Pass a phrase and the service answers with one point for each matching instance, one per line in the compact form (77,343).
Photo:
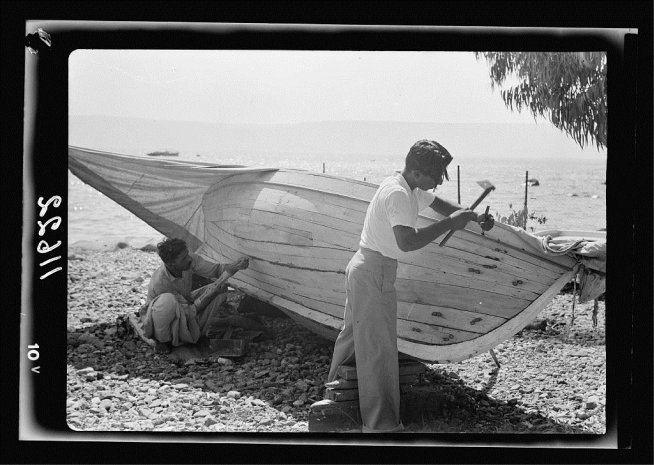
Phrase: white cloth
(394,204)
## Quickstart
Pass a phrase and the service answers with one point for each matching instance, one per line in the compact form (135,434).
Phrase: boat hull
(300,230)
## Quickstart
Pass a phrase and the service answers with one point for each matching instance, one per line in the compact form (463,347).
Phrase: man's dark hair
(169,249)
(428,156)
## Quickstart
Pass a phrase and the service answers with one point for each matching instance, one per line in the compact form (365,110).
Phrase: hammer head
(486,185)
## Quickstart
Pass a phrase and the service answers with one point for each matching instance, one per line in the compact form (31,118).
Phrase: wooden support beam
(344,384)
(492,353)
(338,395)
(349,372)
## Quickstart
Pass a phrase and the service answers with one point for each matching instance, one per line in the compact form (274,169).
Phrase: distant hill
(140,136)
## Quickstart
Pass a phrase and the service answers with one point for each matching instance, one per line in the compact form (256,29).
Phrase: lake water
(571,194)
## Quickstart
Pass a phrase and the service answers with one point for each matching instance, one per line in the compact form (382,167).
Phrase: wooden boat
(301,228)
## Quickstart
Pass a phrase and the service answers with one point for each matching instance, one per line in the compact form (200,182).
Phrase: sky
(282,86)
(251,86)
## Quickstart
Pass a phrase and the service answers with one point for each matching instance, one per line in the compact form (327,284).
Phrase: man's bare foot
(162,347)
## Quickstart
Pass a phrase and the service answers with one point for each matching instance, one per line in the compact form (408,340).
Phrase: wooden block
(408,379)
(347,372)
(417,405)
(412,368)
(327,404)
(338,395)
(409,367)
(343,384)
(228,347)
(334,417)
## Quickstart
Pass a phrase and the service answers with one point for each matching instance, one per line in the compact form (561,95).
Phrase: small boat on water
(301,228)
(531,182)
(163,154)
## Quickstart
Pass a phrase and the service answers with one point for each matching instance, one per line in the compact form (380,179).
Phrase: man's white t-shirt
(394,204)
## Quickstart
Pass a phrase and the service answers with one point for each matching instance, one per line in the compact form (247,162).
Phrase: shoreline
(105,245)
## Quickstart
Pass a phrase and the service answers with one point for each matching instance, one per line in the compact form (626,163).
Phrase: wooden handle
(472,207)
(449,234)
(481,197)
(217,283)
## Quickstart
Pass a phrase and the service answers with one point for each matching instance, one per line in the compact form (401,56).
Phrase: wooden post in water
(458,183)
(526,187)
(323,168)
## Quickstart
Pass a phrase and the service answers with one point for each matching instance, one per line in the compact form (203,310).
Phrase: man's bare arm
(409,239)
(444,207)
(220,285)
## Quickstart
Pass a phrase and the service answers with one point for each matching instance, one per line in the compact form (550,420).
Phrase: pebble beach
(551,379)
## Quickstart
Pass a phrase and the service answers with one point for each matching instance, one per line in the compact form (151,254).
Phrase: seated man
(172,314)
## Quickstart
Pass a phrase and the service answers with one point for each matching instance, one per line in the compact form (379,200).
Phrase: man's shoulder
(394,190)
(160,274)
(392,184)
(197,259)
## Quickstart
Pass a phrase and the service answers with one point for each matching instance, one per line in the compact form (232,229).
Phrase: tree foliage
(567,88)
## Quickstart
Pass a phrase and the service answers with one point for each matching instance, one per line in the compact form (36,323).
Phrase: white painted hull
(302,228)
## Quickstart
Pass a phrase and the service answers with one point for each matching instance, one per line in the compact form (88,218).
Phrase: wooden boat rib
(302,228)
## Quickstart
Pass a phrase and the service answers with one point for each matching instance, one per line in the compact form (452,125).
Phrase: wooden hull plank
(461,351)
(430,280)
(432,334)
(472,300)
(448,317)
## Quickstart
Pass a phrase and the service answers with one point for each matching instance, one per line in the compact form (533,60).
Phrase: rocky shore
(551,379)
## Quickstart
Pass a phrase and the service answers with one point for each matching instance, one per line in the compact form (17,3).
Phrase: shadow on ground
(467,410)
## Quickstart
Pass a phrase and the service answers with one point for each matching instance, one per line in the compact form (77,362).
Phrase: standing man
(173,315)
(369,334)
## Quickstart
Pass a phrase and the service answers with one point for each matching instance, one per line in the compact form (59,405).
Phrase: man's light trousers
(369,338)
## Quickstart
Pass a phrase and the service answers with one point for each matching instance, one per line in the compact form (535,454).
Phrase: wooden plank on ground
(329,416)
(416,406)
(343,384)
(353,394)
(228,347)
(340,396)
(349,372)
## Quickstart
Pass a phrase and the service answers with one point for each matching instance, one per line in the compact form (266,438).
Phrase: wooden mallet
(488,187)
